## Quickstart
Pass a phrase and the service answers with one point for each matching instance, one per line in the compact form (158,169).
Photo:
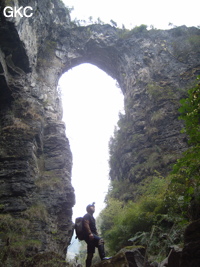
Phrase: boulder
(173,259)
(126,257)
(191,251)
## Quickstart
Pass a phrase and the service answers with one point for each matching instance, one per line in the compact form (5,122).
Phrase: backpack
(79,228)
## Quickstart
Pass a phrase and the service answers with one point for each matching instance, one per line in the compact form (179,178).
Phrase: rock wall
(35,157)
(36,196)
(190,254)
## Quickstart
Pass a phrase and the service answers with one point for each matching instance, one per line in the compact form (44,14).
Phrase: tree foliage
(122,220)
(190,113)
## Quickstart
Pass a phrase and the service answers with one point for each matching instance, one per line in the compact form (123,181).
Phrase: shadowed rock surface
(126,257)
(190,254)
(153,69)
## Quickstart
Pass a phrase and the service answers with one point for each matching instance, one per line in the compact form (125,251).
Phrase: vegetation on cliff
(161,206)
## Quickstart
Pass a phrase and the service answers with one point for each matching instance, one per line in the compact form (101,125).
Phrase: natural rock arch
(35,158)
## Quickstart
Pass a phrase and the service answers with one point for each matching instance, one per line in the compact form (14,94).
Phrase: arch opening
(91,105)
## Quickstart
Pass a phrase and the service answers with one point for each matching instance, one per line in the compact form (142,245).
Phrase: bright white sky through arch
(91,104)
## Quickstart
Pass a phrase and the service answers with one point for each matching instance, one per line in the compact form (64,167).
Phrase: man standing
(91,236)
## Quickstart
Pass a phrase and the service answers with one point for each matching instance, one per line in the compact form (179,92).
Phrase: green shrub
(122,220)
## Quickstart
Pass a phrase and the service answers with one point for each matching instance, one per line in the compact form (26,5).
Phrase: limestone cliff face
(35,158)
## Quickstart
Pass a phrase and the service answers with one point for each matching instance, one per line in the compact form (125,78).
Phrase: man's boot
(102,253)
(89,260)
(101,249)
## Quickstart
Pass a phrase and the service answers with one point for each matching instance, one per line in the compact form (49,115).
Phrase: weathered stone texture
(126,257)
(35,156)
(191,251)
